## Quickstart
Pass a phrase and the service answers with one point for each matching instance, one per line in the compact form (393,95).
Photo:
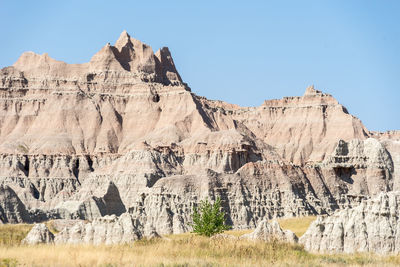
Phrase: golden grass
(51,227)
(179,250)
(184,250)
(12,234)
(298,225)
(239,232)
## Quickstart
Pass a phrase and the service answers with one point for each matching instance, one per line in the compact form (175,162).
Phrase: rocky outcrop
(373,226)
(39,234)
(99,201)
(358,169)
(270,231)
(359,154)
(391,141)
(12,210)
(105,230)
(301,129)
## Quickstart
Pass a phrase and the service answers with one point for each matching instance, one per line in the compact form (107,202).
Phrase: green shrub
(208,219)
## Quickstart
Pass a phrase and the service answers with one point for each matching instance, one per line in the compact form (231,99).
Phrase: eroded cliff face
(373,226)
(123,134)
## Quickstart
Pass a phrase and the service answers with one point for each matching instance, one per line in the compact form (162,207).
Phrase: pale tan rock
(360,167)
(373,226)
(270,231)
(105,230)
(302,128)
(39,234)
(391,141)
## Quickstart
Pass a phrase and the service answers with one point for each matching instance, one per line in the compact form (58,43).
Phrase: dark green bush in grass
(208,219)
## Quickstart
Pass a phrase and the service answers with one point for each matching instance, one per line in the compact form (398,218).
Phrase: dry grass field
(178,250)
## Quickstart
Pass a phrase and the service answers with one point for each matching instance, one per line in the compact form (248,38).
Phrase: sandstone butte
(124,136)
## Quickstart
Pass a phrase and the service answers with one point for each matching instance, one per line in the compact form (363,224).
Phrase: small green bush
(208,219)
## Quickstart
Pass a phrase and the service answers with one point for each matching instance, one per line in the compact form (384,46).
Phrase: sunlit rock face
(372,226)
(123,134)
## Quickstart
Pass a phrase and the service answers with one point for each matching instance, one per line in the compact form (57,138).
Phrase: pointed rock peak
(105,51)
(124,33)
(105,59)
(163,51)
(123,40)
(167,66)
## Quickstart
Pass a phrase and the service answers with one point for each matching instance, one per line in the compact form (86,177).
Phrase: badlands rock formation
(373,226)
(266,231)
(106,230)
(38,234)
(123,134)
(12,210)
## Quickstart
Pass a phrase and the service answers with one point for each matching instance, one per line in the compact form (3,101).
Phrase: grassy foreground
(177,250)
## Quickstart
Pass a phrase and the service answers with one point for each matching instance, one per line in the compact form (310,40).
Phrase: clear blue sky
(239,51)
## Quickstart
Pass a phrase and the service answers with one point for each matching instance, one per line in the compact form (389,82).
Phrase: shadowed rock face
(124,134)
(12,210)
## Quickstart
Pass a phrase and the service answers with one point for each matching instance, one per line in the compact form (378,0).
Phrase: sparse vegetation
(178,250)
(51,227)
(12,234)
(23,148)
(298,225)
(208,219)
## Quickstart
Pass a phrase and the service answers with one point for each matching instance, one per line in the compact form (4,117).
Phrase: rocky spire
(123,40)
(166,66)
(134,55)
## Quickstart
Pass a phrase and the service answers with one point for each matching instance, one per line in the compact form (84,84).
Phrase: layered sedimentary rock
(373,226)
(269,231)
(106,230)
(124,134)
(358,169)
(12,210)
(303,128)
